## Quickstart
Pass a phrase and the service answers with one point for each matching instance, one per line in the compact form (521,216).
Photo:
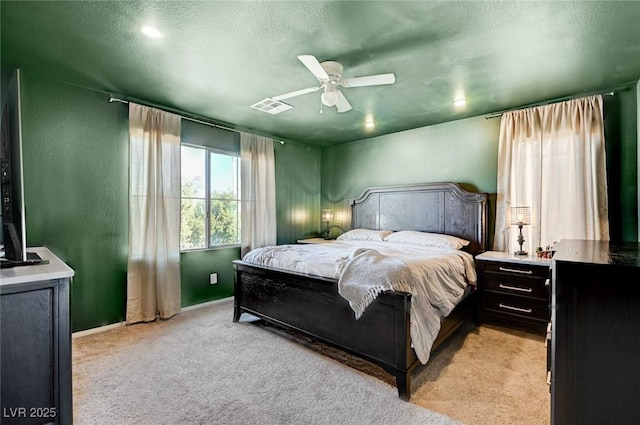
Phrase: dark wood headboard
(427,207)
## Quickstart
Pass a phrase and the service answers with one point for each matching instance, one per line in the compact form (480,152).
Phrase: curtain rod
(547,102)
(114,99)
(182,114)
(174,111)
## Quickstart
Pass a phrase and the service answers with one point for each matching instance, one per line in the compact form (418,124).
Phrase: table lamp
(520,216)
(327,215)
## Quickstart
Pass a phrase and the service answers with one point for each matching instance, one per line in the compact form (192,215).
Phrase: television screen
(12,212)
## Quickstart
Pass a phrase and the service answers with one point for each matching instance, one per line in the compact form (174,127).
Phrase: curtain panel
(258,192)
(552,158)
(153,270)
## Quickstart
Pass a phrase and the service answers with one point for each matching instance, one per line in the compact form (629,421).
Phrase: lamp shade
(327,215)
(520,215)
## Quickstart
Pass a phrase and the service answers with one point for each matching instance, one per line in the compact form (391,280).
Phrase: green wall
(195,268)
(466,151)
(75,176)
(298,191)
(75,146)
(620,117)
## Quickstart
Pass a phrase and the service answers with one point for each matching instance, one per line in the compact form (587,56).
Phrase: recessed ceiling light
(460,102)
(370,124)
(150,31)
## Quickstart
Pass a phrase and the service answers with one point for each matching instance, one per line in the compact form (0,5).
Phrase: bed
(311,303)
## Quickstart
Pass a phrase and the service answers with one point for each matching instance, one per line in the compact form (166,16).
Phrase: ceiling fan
(329,75)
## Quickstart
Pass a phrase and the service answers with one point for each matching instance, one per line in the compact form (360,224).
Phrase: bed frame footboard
(311,305)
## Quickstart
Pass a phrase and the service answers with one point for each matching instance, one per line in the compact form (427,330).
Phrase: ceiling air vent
(271,106)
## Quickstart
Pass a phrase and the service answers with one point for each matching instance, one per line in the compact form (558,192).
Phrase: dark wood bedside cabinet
(514,290)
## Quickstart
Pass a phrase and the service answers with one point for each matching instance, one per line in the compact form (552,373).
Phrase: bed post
(237,312)
(403,382)
(405,359)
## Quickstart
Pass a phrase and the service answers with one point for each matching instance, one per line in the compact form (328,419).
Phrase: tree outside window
(210,199)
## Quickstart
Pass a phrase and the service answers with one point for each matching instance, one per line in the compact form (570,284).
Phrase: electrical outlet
(213,278)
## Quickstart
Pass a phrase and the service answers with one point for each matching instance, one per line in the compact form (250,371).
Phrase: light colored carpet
(488,375)
(201,368)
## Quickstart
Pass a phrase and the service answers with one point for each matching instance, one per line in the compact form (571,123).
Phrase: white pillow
(364,235)
(427,239)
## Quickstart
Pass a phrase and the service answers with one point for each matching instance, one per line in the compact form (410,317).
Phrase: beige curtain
(552,159)
(153,272)
(258,195)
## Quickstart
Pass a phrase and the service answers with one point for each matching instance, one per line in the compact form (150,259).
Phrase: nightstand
(315,240)
(514,289)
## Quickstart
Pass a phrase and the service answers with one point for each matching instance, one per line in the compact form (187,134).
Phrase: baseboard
(99,329)
(205,304)
(111,326)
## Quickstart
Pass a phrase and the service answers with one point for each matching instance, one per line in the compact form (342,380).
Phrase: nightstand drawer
(518,306)
(528,287)
(517,270)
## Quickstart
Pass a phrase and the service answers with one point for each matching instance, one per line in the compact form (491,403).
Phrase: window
(210,215)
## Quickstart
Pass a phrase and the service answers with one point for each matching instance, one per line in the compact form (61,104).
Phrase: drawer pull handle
(523,310)
(505,269)
(515,288)
(549,378)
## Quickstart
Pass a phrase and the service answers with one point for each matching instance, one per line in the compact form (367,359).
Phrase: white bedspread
(435,277)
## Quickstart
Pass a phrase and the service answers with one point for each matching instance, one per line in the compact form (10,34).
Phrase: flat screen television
(14,236)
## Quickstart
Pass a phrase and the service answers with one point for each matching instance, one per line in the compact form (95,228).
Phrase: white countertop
(315,240)
(508,257)
(55,269)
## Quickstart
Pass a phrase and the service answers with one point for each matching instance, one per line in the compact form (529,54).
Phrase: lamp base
(520,242)
(326,231)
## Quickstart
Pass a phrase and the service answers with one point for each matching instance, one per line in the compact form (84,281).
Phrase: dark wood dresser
(595,336)
(35,343)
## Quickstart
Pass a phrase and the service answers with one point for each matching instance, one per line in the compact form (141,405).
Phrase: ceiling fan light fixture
(329,98)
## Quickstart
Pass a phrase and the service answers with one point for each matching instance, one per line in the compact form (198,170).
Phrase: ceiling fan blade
(296,93)
(343,104)
(371,80)
(314,66)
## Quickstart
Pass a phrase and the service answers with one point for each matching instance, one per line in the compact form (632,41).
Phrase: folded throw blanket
(366,273)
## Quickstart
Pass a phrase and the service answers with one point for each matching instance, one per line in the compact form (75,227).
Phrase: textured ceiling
(218,58)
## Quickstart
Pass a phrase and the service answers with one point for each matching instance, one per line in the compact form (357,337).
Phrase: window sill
(212,248)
